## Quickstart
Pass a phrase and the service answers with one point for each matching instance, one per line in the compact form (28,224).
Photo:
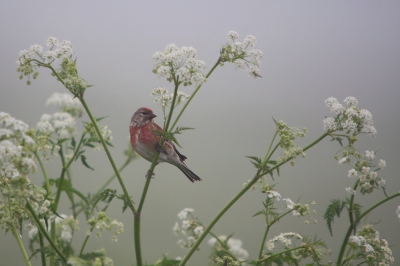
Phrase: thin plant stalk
(42,255)
(21,246)
(238,196)
(40,227)
(121,182)
(46,179)
(349,231)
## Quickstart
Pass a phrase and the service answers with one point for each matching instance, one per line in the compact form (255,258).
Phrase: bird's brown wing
(168,145)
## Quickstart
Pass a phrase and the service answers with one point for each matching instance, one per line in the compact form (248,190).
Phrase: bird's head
(143,116)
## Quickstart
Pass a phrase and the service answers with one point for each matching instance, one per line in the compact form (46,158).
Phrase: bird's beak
(152,116)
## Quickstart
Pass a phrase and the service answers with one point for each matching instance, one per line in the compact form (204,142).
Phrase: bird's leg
(158,147)
(148,174)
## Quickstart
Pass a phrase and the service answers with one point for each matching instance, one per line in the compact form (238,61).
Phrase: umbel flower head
(237,53)
(351,120)
(179,64)
(30,60)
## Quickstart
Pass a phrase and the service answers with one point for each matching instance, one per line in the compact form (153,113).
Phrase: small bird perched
(146,142)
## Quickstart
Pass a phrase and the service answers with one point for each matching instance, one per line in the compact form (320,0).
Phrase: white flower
(274,194)
(158,56)
(343,160)
(5,132)
(198,78)
(250,40)
(351,101)
(198,230)
(176,228)
(185,224)
(49,57)
(367,186)
(254,72)
(398,212)
(171,48)
(164,71)
(373,175)
(28,165)
(365,170)
(66,233)
(330,124)
(36,49)
(369,248)
(351,191)
(232,35)
(355,239)
(370,154)
(349,126)
(52,41)
(289,203)
(183,73)
(66,102)
(352,173)
(239,64)
(382,164)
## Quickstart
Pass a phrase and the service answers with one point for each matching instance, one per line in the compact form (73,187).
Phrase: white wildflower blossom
(369,248)
(330,124)
(52,41)
(351,101)
(239,64)
(274,194)
(198,230)
(232,35)
(352,173)
(370,154)
(398,212)
(373,175)
(66,102)
(365,170)
(382,163)
(289,203)
(343,160)
(351,191)
(250,40)
(176,228)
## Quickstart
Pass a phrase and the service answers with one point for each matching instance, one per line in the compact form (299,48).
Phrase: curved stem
(266,157)
(21,246)
(121,182)
(235,198)
(194,93)
(46,179)
(40,227)
(347,236)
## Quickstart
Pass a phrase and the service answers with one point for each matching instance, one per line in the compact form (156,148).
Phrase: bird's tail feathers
(188,173)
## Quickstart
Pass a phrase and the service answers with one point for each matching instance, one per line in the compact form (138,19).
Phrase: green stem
(46,179)
(53,238)
(42,251)
(40,227)
(121,182)
(86,240)
(282,252)
(263,243)
(235,198)
(64,169)
(346,238)
(137,214)
(194,93)
(21,246)
(266,157)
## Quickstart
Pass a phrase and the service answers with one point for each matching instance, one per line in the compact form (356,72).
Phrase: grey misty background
(312,50)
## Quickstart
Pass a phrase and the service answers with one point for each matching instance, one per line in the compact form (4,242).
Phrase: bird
(146,142)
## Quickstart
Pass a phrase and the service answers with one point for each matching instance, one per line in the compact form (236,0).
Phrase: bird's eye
(143,113)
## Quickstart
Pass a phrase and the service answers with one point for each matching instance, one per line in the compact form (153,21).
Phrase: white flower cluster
(234,245)
(375,251)
(236,53)
(102,222)
(164,98)
(62,124)
(398,212)
(16,144)
(352,120)
(179,63)
(368,178)
(29,60)
(67,103)
(284,238)
(190,228)
(57,50)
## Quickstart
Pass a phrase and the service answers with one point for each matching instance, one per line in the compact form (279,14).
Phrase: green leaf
(73,143)
(334,209)
(179,129)
(83,159)
(259,213)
